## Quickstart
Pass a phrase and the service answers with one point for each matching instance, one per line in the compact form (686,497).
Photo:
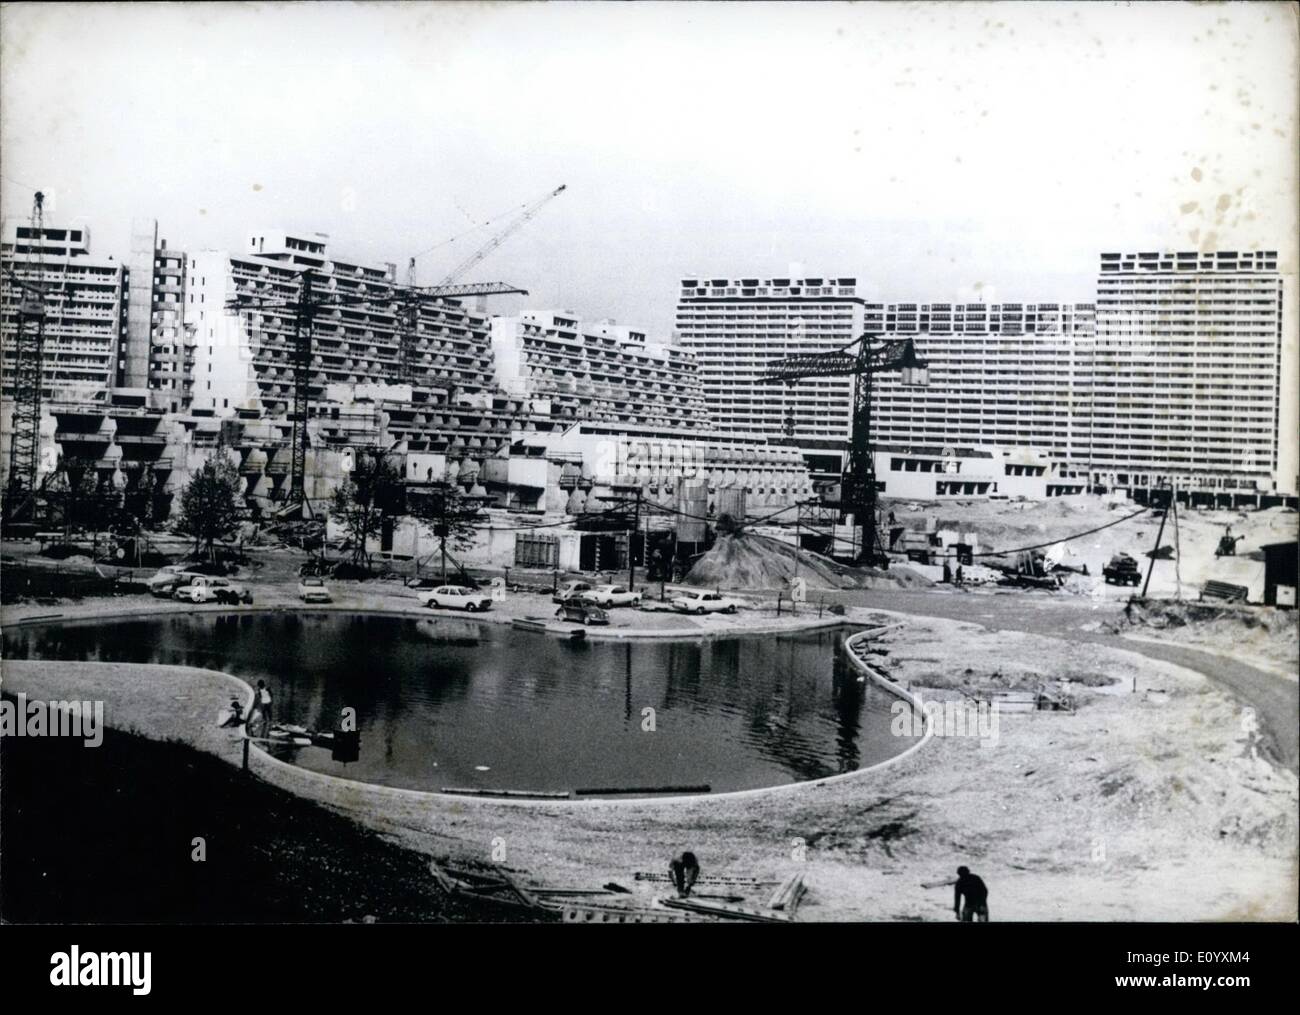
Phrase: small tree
(450,513)
(209,506)
(371,492)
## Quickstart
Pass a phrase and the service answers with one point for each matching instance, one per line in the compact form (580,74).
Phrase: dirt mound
(750,561)
(1253,633)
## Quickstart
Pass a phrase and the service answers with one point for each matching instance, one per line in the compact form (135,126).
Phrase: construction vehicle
(1122,570)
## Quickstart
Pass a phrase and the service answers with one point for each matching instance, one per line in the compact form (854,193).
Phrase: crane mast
(861,359)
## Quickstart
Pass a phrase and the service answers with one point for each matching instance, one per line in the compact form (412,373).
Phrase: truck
(1122,570)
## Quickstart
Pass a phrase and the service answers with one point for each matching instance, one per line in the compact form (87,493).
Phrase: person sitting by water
(685,871)
(234,715)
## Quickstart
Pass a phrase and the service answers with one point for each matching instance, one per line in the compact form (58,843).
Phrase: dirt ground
(1146,805)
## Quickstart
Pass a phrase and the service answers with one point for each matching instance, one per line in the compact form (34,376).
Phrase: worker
(685,871)
(976,893)
(959,574)
(947,573)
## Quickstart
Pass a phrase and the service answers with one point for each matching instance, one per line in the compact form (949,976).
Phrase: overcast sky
(933,150)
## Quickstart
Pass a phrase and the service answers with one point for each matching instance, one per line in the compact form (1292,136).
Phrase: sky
(936,151)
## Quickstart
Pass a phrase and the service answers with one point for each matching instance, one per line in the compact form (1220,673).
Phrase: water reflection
(443,702)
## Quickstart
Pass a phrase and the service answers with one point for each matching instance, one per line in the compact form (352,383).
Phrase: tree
(210,503)
(371,493)
(73,492)
(450,513)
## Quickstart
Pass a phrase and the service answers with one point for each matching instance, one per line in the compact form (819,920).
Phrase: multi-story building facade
(85,334)
(245,360)
(1186,385)
(154,356)
(1174,374)
(737,326)
(1004,375)
(604,371)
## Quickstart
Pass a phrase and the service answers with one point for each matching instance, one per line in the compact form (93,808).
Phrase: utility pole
(1156,549)
(631,549)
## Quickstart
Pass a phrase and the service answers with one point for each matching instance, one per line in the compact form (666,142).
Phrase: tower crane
(304,309)
(860,359)
(29,353)
(410,310)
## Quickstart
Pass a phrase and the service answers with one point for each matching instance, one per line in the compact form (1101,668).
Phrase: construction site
(781,614)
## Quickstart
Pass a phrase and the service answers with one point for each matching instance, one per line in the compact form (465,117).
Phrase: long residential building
(737,326)
(606,372)
(245,359)
(1174,374)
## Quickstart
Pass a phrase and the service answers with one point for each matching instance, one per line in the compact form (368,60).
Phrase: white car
(313,590)
(205,589)
(454,597)
(702,602)
(169,579)
(570,590)
(611,595)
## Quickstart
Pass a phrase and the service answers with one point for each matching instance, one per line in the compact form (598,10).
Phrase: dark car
(578,612)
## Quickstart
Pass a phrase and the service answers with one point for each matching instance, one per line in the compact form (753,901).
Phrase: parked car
(168,580)
(701,602)
(610,596)
(207,589)
(570,590)
(314,590)
(582,613)
(454,597)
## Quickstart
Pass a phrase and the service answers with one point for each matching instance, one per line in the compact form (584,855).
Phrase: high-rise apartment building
(1002,374)
(85,323)
(1186,382)
(737,326)
(154,356)
(246,360)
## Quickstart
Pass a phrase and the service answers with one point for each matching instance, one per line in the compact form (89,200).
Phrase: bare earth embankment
(1146,806)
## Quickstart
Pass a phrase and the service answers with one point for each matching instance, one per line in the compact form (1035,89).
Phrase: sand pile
(751,561)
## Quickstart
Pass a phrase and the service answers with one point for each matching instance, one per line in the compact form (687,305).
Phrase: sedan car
(313,590)
(454,597)
(611,595)
(570,590)
(582,613)
(701,602)
(168,580)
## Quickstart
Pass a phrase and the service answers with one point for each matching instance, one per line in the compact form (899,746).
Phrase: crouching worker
(977,897)
(685,871)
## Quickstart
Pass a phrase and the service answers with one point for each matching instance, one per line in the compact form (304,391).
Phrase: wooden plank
(707,879)
(728,912)
(787,894)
